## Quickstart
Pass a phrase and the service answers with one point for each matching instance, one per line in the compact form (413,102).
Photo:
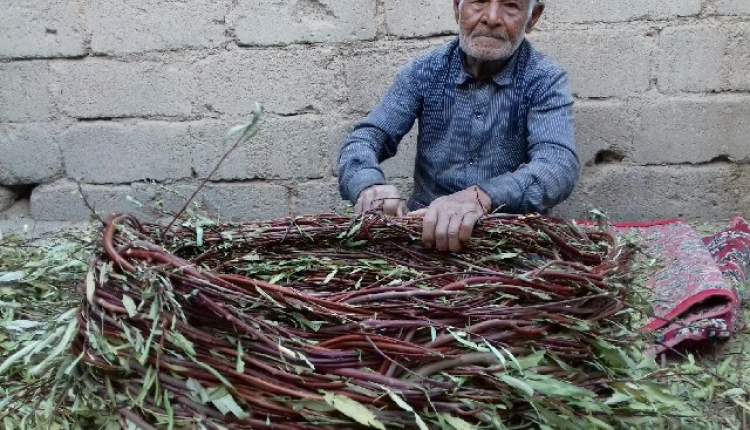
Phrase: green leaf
(533,360)
(734,392)
(513,359)
(461,337)
(500,257)
(8,277)
(130,305)
(227,404)
(215,373)
(70,332)
(407,407)
(353,409)
(90,287)
(182,342)
(617,398)
(599,423)
(614,356)
(197,389)
(330,276)
(17,356)
(21,325)
(497,353)
(518,384)
(456,422)
(169,410)
(553,387)
(240,367)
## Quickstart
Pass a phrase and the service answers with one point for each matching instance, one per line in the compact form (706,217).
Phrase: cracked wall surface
(131,99)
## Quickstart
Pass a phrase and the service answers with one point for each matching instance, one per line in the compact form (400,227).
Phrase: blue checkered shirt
(514,136)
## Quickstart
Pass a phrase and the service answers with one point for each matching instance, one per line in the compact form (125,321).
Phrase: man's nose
(493,14)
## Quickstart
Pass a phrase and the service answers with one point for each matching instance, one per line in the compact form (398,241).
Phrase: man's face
(492,30)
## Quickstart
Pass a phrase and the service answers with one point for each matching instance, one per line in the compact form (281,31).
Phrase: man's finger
(418,213)
(454,228)
(365,198)
(359,208)
(402,209)
(441,231)
(467,226)
(428,228)
(391,206)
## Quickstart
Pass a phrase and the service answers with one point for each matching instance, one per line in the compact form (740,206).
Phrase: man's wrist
(483,198)
(362,180)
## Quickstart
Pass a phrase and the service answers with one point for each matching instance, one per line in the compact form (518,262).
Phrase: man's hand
(386,197)
(449,221)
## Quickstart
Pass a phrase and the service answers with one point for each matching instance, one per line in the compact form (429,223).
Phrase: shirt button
(478,115)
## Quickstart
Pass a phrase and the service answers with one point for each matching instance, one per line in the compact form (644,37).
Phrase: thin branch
(246,133)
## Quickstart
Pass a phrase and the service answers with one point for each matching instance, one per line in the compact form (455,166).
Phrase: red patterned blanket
(695,291)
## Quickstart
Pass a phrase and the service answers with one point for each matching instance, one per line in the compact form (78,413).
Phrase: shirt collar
(503,78)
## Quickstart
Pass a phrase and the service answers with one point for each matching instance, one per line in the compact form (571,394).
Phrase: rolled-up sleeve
(553,167)
(376,138)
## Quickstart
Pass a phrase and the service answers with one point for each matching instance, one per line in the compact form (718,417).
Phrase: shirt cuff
(363,179)
(504,191)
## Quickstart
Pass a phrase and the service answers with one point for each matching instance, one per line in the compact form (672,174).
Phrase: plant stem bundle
(340,322)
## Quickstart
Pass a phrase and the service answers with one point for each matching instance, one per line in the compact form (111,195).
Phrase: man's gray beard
(504,54)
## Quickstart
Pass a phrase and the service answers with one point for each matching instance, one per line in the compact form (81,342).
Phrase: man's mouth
(492,36)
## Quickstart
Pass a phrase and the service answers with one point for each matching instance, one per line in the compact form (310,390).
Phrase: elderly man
(496,128)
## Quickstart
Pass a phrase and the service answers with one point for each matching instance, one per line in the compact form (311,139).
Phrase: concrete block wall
(130,100)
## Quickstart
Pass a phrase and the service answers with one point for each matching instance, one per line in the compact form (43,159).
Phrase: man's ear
(455,8)
(535,15)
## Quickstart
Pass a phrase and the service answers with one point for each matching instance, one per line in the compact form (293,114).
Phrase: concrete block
(260,22)
(62,201)
(97,88)
(370,72)
(603,63)
(162,201)
(736,62)
(29,153)
(694,130)
(21,209)
(584,11)
(284,148)
(123,27)
(733,7)
(53,28)
(107,152)
(316,197)
(339,135)
(604,126)
(7,198)
(16,221)
(284,81)
(418,18)
(633,193)
(690,58)
(24,92)
(249,201)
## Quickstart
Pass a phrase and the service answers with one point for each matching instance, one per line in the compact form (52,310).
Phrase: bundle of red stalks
(339,322)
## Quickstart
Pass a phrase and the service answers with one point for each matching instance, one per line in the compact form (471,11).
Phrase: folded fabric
(695,295)
(731,250)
